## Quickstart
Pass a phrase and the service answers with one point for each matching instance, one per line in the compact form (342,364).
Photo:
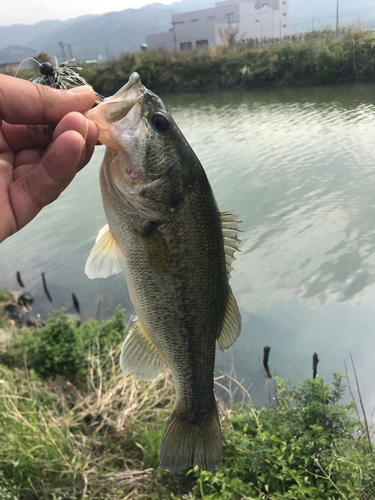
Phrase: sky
(33,11)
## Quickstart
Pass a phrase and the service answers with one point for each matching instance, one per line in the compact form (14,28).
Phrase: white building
(255,19)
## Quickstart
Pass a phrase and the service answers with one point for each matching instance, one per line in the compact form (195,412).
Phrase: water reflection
(298,165)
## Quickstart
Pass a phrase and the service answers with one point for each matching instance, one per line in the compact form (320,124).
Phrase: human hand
(36,164)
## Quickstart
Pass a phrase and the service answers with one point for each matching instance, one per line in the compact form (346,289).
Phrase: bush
(61,347)
(331,59)
(312,57)
(4,296)
(302,449)
(101,441)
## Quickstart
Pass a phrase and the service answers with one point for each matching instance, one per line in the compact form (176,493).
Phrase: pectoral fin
(157,251)
(231,328)
(140,355)
(105,258)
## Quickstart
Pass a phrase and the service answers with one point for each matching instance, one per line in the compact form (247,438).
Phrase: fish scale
(168,236)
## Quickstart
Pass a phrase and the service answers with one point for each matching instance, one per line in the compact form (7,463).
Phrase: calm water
(298,165)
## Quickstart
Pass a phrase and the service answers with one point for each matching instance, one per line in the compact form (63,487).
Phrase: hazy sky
(33,11)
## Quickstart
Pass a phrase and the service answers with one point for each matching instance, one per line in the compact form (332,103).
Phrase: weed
(98,436)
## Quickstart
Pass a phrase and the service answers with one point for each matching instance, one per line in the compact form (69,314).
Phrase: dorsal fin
(229,225)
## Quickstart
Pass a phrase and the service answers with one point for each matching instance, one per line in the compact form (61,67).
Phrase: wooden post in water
(45,288)
(315,364)
(19,279)
(76,303)
(266,353)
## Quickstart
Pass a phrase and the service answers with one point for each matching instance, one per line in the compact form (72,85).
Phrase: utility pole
(337,19)
(62,50)
(174,36)
(70,51)
(280,28)
(312,23)
(107,51)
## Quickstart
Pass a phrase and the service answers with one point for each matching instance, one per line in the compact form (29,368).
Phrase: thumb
(26,103)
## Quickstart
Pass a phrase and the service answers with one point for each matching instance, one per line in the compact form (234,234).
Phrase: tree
(229,35)
(42,57)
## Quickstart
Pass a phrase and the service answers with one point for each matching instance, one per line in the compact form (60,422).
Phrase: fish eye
(159,122)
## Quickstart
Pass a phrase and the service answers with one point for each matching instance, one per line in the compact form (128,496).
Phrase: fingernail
(81,90)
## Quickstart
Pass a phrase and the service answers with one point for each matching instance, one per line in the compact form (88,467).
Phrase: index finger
(23,102)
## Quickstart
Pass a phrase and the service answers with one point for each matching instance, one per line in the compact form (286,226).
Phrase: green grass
(316,57)
(310,58)
(96,434)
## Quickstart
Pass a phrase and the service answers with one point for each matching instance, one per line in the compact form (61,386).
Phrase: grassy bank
(312,58)
(315,58)
(72,426)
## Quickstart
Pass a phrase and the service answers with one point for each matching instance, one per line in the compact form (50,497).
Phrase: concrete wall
(263,23)
(200,25)
(164,40)
(255,19)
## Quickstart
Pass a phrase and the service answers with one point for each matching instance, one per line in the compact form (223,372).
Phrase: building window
(284,13)
(257,20)
(185,46)
(284,3)
(179,22)
(230,14)
(265,5)
(194,20)
(284,25)
(211,17)
(201,43)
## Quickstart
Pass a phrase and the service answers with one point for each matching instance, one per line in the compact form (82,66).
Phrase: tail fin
(185,444)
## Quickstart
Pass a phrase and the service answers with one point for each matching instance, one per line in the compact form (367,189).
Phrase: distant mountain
(108,34)
(113,33)
(15,53)
(21,34)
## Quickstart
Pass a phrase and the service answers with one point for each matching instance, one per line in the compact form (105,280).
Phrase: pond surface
(298,165)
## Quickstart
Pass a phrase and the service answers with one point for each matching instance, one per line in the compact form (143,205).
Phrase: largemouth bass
(166,233)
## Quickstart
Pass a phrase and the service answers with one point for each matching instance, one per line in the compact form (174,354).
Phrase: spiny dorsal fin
(232,323)
(140,355)
(229,225)
(105,257)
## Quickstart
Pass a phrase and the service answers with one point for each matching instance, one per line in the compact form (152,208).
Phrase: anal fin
(140,355)
(232,324)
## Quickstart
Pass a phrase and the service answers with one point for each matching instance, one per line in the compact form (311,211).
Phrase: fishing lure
(61,76)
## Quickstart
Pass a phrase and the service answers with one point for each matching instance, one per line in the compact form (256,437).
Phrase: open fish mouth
(121,113)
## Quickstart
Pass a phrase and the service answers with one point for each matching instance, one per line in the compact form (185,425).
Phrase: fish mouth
(123,123)
(111,113)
